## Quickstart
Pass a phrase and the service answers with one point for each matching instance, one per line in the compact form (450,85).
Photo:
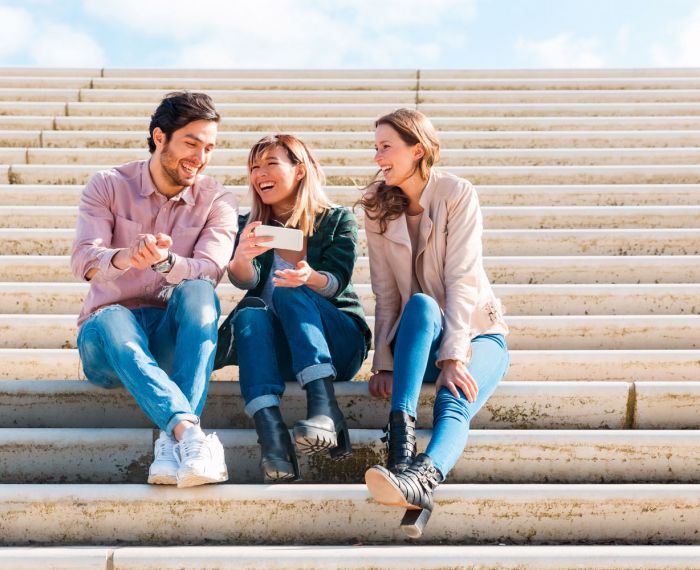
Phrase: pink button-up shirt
(120,203)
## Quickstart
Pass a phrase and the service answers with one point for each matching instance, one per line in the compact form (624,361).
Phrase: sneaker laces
(188,448)
(164,446)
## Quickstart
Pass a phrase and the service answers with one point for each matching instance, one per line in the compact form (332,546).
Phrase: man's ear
(158,137)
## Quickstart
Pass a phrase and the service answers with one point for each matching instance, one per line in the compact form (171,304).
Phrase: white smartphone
(284,238)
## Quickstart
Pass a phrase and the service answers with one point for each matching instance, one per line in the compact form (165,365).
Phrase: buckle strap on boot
(400,440)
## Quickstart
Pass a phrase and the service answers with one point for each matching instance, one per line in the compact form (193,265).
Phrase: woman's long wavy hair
(384,202)
(311,198)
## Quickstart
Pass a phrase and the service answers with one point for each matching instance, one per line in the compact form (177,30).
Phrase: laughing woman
(301,319)
(436,316)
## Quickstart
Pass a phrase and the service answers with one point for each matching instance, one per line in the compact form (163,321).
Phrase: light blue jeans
(416,347)
(163,357)
(306,338)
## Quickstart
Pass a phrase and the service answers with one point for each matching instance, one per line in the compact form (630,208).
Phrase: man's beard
(173,173)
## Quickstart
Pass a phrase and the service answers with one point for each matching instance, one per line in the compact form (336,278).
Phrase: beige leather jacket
(449,268)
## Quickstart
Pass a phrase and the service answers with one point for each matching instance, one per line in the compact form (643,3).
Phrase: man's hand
(380,384)
(147,250)
(454,375)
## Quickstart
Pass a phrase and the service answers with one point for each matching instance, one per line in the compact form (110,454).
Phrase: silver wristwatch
(165,265)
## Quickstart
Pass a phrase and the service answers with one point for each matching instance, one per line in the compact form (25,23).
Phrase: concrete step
(358,557)
(49,95)
(16,138)
(675,270)
(29,295)
(339,92)
(20,122)
(445,93)
(555,365)
(532,513)
(495,217)
(362,175)
(344,123)
(274,95)
(343,139)
(489,195)
(685,241)
(362,157)
(31,108)
(523,109)
(123,455)
(514,405)
(136,109)
(616,73)
(236,80)
(593,332)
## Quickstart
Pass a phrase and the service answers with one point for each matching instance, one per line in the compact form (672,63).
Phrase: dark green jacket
(332,248)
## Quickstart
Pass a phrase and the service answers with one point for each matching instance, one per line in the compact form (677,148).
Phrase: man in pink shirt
(153,239)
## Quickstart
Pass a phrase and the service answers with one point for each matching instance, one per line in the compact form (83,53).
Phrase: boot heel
(414,521)
(344,447)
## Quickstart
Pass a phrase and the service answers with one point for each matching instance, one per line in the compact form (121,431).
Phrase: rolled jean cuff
(314,372)
(177,418)
(264,401)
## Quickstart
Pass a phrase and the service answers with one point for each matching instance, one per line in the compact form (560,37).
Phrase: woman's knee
(251,319)
(422,304)
(283,297)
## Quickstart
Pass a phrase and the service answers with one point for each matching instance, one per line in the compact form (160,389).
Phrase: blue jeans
(163,357)
(416,348)
(305,338)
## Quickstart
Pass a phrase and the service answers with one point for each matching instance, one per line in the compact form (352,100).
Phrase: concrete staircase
(587,456)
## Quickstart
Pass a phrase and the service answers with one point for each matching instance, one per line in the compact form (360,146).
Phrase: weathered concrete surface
(515,405)
(56,558)
(408,557)
(249,514)
(672,270)
(90,455)
(549,365)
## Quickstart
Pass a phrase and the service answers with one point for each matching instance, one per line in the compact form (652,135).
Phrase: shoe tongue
(194,432)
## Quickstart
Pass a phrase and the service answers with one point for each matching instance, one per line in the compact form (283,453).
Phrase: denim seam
(260,402)
(180,417)
(314,372)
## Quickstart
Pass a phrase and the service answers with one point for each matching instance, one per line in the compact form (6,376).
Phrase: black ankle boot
(324,427)
(411,489)
(278,459)
(400,439)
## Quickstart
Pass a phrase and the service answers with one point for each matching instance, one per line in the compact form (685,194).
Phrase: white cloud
(684,49)
(47,43)
(62,46)
(17,30)
(289,33)
(563,50)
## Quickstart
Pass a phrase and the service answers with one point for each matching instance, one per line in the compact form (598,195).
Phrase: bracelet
(165,265)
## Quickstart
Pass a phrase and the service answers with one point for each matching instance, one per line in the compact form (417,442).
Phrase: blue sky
(350,33)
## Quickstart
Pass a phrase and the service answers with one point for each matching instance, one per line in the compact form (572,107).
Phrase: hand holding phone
(282,238)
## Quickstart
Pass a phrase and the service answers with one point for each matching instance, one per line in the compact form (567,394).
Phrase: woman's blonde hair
(386,202)
(311,198)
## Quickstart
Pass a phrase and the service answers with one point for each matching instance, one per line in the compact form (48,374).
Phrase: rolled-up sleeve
(92,247)
(214,246)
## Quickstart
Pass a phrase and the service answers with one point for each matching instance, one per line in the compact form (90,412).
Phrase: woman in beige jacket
(436,316)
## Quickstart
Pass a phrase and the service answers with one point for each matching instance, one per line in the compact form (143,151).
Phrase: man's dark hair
(178,109)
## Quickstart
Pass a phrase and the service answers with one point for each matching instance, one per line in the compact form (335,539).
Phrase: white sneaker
(163,470)
(200,459)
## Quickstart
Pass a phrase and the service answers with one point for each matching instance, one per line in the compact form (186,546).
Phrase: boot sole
(385,491)
(311,440)
(196,480)
(274,472)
